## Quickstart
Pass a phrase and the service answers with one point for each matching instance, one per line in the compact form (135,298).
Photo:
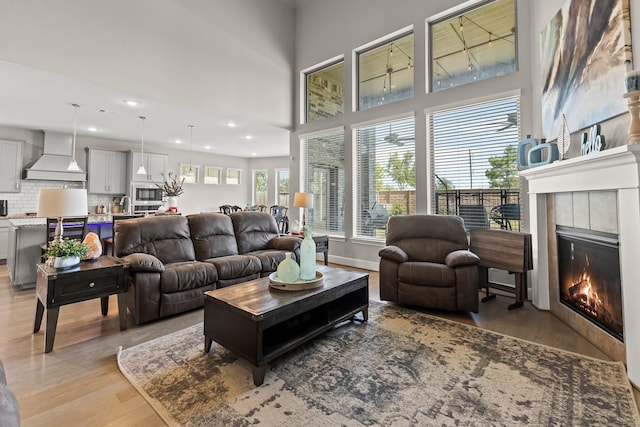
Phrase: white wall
(334,27)
(215,55)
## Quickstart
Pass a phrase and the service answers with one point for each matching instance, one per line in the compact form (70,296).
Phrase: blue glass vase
(288,269)
(307,256)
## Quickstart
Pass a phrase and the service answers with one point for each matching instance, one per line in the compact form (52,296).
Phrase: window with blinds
(386,175)
(474,163)
(282,190)
(324,177)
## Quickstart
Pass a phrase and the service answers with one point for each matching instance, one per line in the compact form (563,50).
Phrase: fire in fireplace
(589,276)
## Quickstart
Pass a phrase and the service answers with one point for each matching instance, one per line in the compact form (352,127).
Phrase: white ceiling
(38,96)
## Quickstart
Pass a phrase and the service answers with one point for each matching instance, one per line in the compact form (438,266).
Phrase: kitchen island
(27,235)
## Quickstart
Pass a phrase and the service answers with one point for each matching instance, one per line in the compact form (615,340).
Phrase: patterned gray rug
(400,368)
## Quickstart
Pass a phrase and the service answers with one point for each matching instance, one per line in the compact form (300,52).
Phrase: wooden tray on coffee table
(298,285)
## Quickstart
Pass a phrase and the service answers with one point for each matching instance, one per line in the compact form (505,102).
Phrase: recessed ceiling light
(208,147)
(253,154)
(178,141)
(131,102)
(248,137)
(92,129)
(231,124)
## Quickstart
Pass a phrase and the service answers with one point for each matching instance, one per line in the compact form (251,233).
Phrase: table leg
(365,314)
(104,305)
(521,289)
(50,330)
(326,257)
(122,310)
(258,374)
(39,312)
(207,344)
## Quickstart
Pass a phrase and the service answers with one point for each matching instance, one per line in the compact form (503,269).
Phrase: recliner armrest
(144,262)
(460,258)
(285,243)
(393,253)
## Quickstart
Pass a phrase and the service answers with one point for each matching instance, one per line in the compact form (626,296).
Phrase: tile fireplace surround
(615,171)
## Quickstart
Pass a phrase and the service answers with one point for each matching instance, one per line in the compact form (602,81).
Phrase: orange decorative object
(95,247)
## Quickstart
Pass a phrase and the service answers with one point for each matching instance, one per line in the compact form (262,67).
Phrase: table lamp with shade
(304,201)
(60,203)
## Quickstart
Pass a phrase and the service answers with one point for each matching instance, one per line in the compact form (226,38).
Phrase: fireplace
(589,276)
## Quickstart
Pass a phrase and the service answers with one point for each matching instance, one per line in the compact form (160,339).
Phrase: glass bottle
(288,269)
(307,256)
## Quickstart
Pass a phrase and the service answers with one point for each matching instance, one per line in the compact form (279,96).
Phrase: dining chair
(280,214)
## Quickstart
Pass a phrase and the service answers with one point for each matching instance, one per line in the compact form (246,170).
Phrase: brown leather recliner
(427,263)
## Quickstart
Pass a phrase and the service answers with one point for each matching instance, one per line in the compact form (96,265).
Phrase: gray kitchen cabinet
(10,166)
(155,165)
(107,171)
(24,251)
(4,239)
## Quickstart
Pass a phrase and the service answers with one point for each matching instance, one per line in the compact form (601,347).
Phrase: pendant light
(141,169)
(191,171)
(73,165)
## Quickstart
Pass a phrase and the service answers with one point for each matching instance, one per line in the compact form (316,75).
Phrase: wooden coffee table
(259,323)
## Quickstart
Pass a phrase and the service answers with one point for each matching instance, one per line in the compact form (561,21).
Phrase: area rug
(400,368)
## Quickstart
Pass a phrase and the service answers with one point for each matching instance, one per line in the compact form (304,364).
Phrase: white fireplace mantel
(616,169)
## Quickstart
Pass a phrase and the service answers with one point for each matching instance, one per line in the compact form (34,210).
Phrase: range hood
(52,165)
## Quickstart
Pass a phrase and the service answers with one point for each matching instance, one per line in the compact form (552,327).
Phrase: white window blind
(386,177)
(324,177)
(474,162)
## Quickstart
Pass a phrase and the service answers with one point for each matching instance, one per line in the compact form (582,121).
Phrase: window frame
(304,119)
(254,198)
(278,194)
(355,56)
(228,176)
(182,167)
(205,176)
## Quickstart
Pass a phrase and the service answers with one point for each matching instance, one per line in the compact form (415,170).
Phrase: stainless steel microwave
(146,194)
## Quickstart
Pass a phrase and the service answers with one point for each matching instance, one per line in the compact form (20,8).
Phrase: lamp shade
(62,202)
(303,200)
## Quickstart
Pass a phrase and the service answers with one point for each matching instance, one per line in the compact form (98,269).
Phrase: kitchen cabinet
(26,238)
(4,238)
(155,165)
(10,166)
(107,171)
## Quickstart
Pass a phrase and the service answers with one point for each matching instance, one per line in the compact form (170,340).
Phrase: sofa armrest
(393,253)
(460,258)
(285,243)
(144,262)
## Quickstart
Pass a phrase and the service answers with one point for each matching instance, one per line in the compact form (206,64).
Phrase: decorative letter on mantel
(592,141)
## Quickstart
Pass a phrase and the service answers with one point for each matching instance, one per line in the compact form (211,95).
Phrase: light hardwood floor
(79,383)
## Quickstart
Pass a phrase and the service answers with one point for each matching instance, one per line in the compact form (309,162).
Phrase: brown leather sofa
(427,263)
(175,259)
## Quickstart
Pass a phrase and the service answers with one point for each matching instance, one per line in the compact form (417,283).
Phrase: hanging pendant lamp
(73,165)
(141,169)
(191,171)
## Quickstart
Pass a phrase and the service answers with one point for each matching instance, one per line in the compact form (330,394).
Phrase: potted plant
(172,188)
(66,253)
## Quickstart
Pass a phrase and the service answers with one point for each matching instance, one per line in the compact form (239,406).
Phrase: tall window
(475,165)
(386,175)
(385,72)
(325,92)
(260,187)
(323,176)
(282,190)
(473,44)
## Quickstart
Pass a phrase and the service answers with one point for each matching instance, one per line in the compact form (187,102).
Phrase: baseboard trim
(352,262)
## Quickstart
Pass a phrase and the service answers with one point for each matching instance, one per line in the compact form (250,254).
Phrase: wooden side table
(503,250)
(91,279)
(322,244)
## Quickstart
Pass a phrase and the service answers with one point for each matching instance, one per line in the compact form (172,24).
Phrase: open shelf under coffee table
(259,323)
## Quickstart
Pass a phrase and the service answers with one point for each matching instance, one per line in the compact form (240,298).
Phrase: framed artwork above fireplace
(585,52)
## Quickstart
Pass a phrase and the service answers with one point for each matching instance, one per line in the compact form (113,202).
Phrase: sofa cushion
(269,258)
(212,235)
(426,274)
(166,237)
(183,276)
(253,230)
(236,266)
